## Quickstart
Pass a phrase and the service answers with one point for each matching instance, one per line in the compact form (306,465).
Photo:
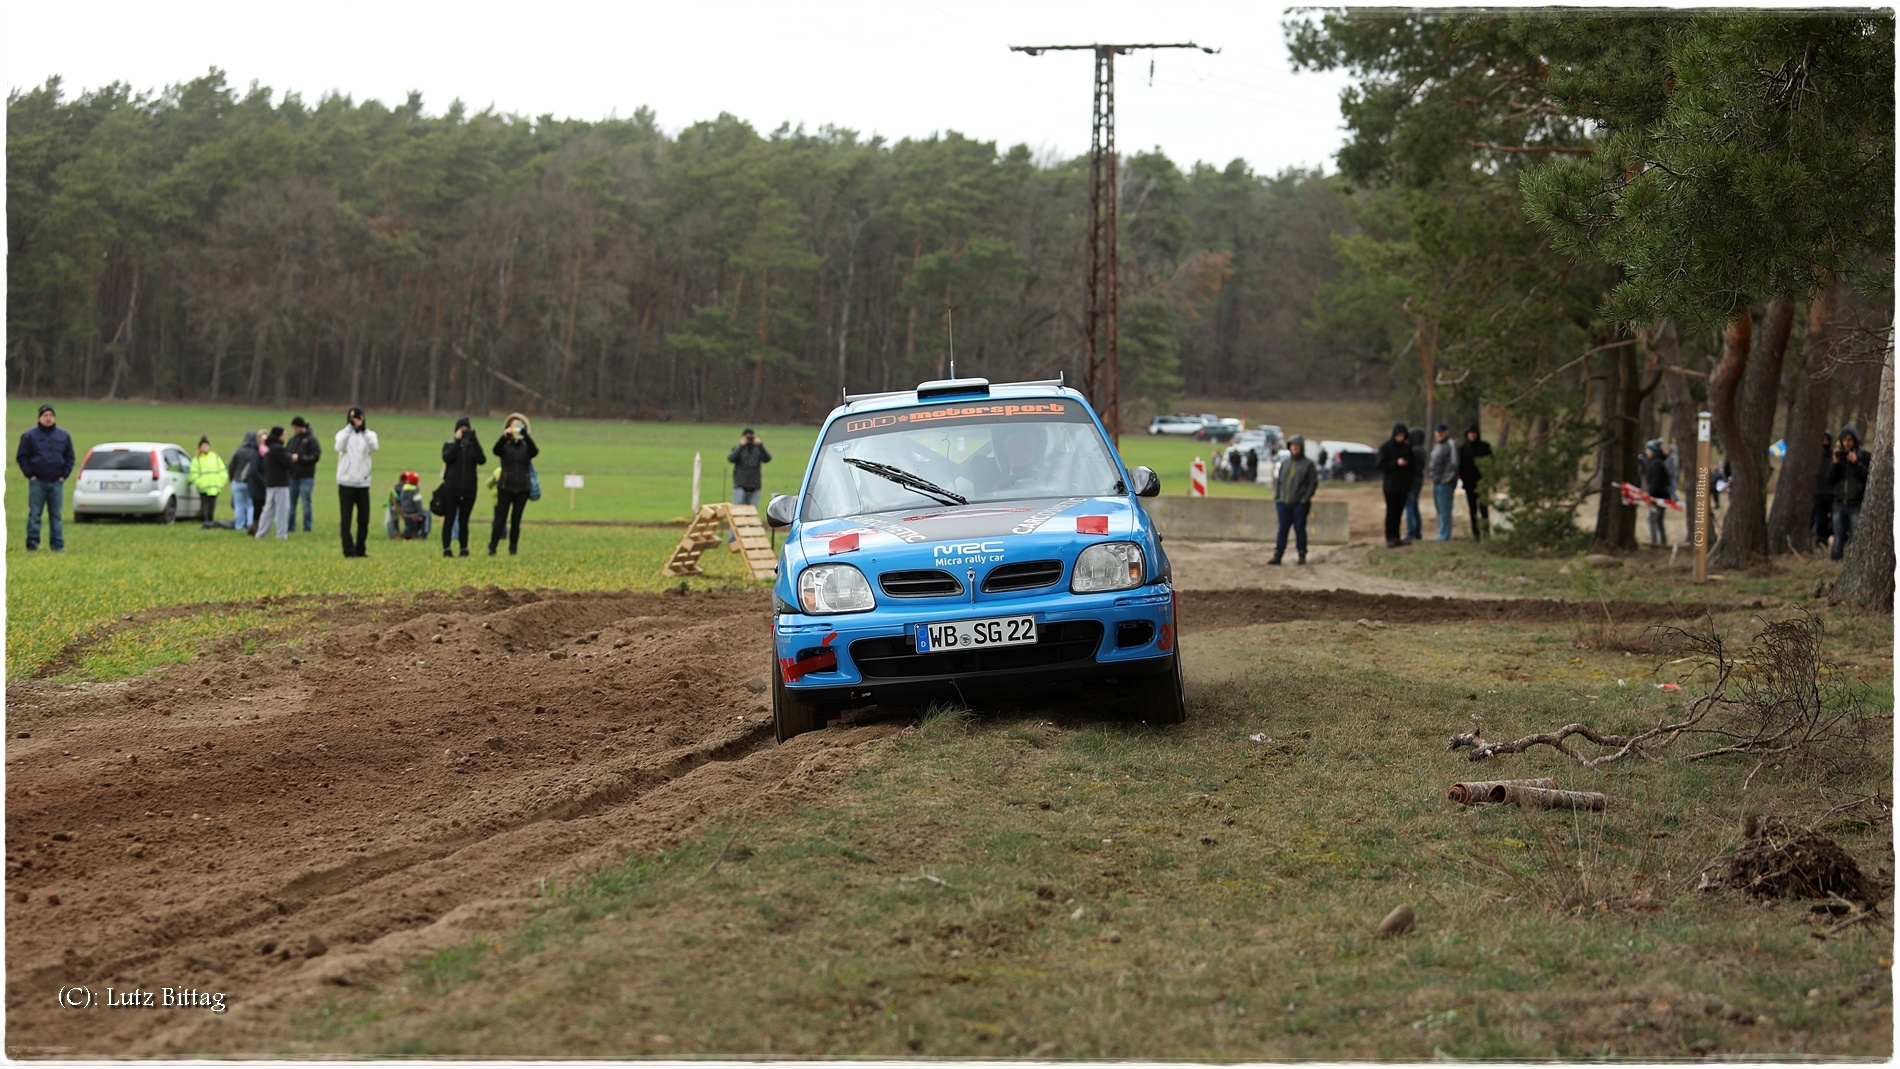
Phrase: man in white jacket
(354,444)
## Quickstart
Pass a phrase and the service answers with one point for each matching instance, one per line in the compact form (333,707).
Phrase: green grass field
(634,472)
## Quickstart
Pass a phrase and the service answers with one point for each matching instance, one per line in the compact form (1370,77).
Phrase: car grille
(1024,576)
(928,583)
(1058,643)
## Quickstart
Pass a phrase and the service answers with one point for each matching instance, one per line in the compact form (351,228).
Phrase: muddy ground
(275,826)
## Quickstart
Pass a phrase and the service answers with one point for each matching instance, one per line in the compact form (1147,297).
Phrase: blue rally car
(962,538)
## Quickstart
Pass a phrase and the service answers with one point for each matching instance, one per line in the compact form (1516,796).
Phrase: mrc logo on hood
(948,553)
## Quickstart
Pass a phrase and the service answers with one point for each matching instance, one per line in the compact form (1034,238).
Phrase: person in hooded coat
(1293,488)
(1848,476)
(1396,461)
(462,460)
(241,466)
(515,449)
(1474,450)
(1656,485)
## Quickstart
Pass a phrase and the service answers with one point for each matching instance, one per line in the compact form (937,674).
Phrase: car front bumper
(1082,638)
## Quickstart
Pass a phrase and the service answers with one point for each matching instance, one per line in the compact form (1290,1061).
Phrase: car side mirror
(1147,483)
(782,510)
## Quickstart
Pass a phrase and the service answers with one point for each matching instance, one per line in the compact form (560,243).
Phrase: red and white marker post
(1197,478)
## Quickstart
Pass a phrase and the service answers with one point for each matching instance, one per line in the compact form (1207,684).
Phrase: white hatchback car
(134,479)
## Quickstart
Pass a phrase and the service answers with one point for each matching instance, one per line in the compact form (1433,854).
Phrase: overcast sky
(895,69)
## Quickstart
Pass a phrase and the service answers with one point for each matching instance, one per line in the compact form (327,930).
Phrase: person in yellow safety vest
(209,478)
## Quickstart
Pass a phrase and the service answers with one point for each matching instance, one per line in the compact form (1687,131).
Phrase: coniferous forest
(1581,227)
(207,243)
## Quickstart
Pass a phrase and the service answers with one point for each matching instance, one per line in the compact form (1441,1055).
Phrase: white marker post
(573,483)
(1702,459)
(1197,479)
(695,484)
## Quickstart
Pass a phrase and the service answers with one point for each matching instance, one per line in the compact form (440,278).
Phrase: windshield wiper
(908,481)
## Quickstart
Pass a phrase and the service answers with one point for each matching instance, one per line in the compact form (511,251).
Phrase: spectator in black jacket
(1474,450)
(462,460)
(1396,461)
(45,457)
(276,465)
(1821,520)
(1421,457)
(516,451)
(304,454)
(1848,476)
(1656,485)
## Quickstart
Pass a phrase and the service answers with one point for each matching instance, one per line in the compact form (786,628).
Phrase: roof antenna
(950,325)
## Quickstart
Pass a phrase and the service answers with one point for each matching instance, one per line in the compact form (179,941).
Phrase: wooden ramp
(709,528)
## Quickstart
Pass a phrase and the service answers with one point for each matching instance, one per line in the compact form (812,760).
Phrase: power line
(1101,336)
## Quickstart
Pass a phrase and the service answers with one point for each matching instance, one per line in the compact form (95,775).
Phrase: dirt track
(405,781)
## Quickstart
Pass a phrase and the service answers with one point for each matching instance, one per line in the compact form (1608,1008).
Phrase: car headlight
(1107,566)
(828,588)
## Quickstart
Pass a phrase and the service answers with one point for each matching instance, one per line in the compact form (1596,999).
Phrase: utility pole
(1101,332)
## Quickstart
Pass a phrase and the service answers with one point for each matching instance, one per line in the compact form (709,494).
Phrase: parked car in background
(1175,424)
(1216,429)
(148,479)
(1264,439)
(1349,461)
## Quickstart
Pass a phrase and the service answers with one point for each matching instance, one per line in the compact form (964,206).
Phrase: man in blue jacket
(45,457)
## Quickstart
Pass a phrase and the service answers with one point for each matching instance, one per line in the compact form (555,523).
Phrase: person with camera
(462,460)
(356,446)
(745,458)
(515,449)
(1848,477)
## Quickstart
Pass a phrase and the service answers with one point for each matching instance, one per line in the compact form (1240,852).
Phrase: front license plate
(976,634)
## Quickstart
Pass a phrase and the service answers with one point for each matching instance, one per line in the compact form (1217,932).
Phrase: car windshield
(1004,451)
(119,460)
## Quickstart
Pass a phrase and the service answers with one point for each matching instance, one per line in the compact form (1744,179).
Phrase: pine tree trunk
(1751,382)
(1616,460)
(1791,513)
(1867,568)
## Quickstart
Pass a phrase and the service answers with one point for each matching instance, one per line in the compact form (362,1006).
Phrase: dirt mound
(1206,610)
(1781,860)
(402,782)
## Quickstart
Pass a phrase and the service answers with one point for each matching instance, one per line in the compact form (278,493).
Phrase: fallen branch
(1626,745)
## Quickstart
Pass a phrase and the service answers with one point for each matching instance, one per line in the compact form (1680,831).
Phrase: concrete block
(1241,519)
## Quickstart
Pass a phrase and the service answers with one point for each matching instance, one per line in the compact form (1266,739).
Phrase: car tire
(170,515)
(1160,696)
(793,717)
(84,517)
